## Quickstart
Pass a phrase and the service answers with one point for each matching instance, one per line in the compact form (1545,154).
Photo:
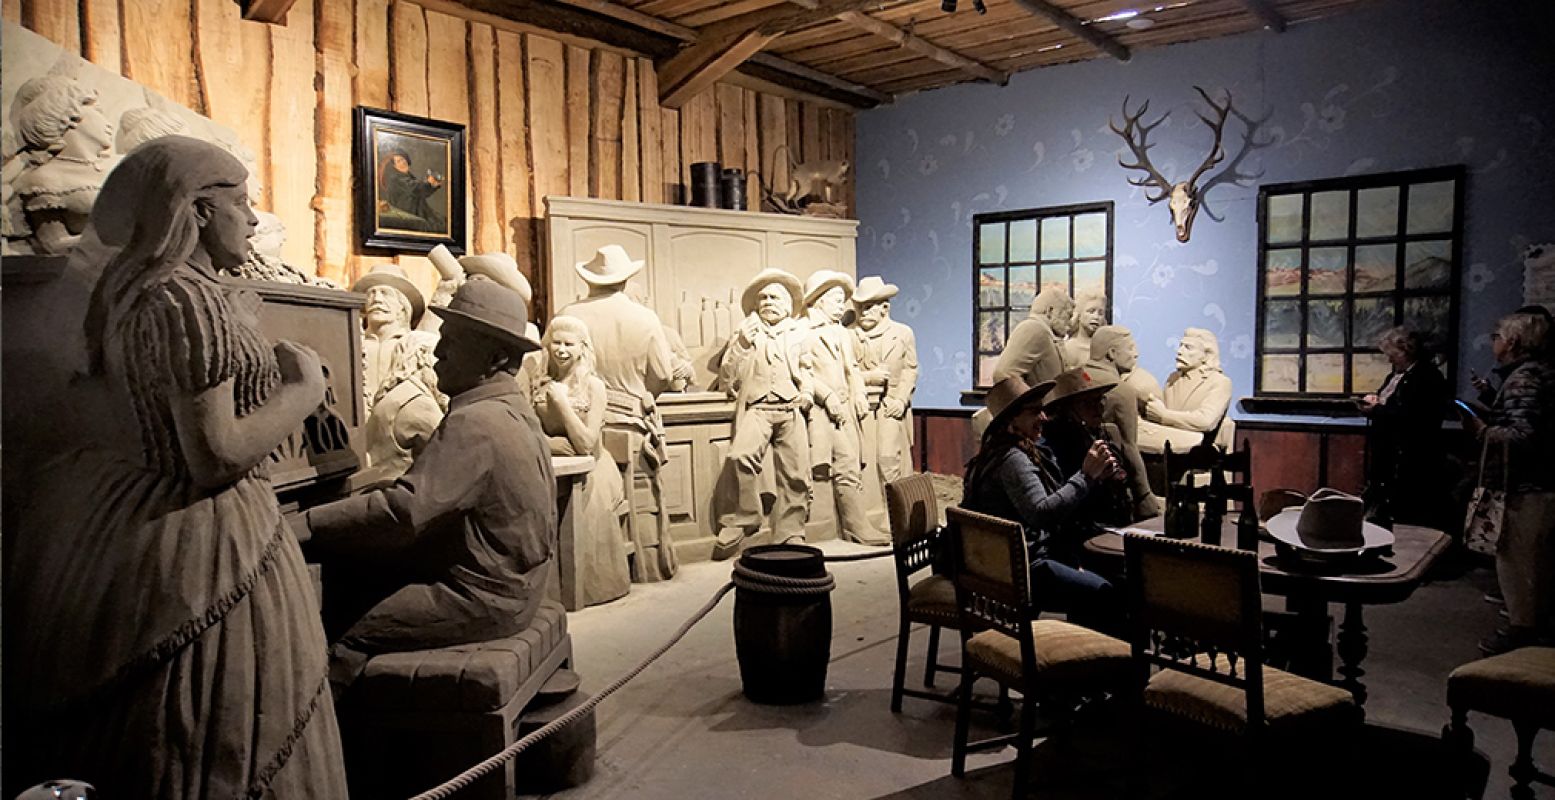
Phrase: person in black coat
(1406,452)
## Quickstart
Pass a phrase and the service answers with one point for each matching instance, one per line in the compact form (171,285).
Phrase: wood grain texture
(578,120)
(485,161)
(159,48)
(293,155)
(101,35)
(59,22)
(794,109)
(752,154)
(774,146)
(731,126)
(235,60)
(371,82)
(651,138)
(335,23)
(669,131)
(631,147)
(11,11)
(547,94)
(408,60)
(606,92)
(448,91)
(513,131)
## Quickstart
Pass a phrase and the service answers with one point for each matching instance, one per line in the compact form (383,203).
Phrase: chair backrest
(1189,603)
(1235,468)
(915,533)
(992,573)
(619,445)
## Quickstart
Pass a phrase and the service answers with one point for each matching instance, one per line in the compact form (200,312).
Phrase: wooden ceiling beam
(1076,28)
(924,47)
(696,68)
(269,11)
(1266,13)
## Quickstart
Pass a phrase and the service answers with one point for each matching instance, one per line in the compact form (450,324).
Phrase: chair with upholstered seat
(1518,686)
(1001,638)
(1197,618)
(916,539)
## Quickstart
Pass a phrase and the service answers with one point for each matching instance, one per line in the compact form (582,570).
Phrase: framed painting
(409,182)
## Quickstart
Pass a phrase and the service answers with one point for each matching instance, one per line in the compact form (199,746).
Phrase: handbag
(1487,509)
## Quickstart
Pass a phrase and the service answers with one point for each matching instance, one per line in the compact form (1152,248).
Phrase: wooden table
(570,472)
(1390,578)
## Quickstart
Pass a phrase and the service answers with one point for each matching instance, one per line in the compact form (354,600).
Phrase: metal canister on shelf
(704,184)
(732,189)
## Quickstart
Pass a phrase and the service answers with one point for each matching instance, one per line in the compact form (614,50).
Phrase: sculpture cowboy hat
(872,290)
(773,275)
(609,266)
(823,280)
(494,309)
(1077,383)
(501,268)
(1329,523)
(1009,396)
(393,276)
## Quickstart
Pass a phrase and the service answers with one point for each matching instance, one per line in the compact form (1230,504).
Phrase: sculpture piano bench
(414,720)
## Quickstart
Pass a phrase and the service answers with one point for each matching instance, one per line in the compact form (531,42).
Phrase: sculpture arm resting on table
(1203,418)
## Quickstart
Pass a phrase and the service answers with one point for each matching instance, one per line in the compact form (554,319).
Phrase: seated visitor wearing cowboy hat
(455,550)
(1015,476)
(1074,409)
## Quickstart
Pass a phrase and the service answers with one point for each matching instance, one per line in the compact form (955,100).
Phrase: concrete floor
(682,729)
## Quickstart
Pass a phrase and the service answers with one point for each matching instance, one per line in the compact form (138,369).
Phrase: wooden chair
(1001,638)
(916,540)
(1518,686)
(1197,617)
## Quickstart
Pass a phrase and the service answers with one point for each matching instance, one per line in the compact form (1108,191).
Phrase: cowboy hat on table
(1330,523)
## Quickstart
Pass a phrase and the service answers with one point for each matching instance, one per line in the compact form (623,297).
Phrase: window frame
(1037,215)
(1399,238)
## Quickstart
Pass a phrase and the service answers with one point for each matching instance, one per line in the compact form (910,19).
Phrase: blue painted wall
(1400,85)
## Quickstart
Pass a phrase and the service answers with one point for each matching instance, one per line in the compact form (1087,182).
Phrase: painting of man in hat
(408,200)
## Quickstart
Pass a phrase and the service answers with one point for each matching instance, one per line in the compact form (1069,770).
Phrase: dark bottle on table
(1182,515)
(1214,509)
(1247,527)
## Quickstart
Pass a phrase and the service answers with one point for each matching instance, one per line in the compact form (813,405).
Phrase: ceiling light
(1120,15)
(1140,23)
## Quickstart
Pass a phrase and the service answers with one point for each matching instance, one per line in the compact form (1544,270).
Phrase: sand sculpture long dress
(168,635)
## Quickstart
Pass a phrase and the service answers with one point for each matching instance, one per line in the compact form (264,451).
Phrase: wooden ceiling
(865,52)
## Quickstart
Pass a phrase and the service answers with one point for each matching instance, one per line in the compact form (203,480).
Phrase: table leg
(568,499)
(1310,655)
(1352,651)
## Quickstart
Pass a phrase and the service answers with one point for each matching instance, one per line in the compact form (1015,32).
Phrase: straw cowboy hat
(494,309)
(1009,396)
(393,276)
(773,275)
(501,268)
(822,280)
(1330,523)
(609,266)
(872,290)
(1077,383)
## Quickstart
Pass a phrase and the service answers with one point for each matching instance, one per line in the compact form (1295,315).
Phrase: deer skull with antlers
(1183,197)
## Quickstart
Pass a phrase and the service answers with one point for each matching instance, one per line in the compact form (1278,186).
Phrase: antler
(1218,125)
(1132,127)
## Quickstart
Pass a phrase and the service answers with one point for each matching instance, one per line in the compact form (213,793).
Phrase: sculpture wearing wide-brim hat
(493,309)
(1008,397)
(500,267)
(610,266)
(872,289)
(822,281)
(1077,384)
(789,283)
(393,276)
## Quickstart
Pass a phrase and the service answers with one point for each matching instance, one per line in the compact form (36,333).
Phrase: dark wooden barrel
(783,641)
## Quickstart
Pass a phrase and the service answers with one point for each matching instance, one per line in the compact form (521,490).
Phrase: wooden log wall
(545,114)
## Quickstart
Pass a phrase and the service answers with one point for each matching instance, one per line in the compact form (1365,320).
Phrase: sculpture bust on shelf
(1090,313)
(67,151)
(763,368)
(1194,402)
(888,358)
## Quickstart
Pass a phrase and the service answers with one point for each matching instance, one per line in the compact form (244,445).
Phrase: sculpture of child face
(832,303)
(773,303)
(226,223)
(565,347)
(872,314)
(1125,354)
(385,307)
(1190,354)
(1093,315)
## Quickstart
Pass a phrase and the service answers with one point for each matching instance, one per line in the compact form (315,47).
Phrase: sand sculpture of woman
(570,401)
(68,146)
(1090,313)
(158,608)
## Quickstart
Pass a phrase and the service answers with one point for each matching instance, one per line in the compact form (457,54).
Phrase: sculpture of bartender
(888,358)
(764,367)
(455,550)
(635,362)
(399,388)
(836,438)
(1195,399)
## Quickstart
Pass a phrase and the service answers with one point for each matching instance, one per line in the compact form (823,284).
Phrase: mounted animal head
(1183,197)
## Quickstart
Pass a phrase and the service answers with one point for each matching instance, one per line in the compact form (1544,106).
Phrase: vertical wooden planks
(652,138)
(631,155)
(850,180)
(607,93)
(408,62)
(513,132)
(11,11)
(774,147)
(59,22)
(485,162)
(293,162)
(730,101)
(235,60)
(795,138)
(335,31)
(370,84)
(752,149)
(548,144)
(448,94)
(670,156)
(698,134)
(159,48)
(578,120)
(101,34)
(810,131)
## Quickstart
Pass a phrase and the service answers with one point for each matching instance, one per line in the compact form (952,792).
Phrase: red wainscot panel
(942,440)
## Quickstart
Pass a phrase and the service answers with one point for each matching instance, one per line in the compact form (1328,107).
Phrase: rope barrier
(743,577)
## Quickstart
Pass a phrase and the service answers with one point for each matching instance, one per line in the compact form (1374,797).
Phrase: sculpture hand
(893,408)
(556,393)
(1153,409)
(300,365)
(835,409)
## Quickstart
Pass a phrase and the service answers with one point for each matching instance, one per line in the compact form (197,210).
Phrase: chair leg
(963,722)
(1459,739)
(1028,731)
(903,636)
(933,660)
(1523,771)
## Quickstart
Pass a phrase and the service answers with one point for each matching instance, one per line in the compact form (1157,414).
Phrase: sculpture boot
(853,523)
